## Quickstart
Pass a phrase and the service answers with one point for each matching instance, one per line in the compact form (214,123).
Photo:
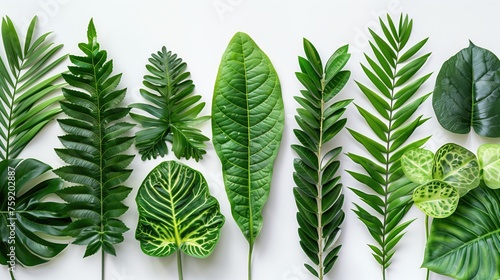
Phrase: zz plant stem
(391,71)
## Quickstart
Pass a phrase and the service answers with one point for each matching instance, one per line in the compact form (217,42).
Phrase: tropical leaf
(456,166)
(93,149)
(417,165)
(177,213)
(247,125)
(489,163)
(467,92)
(436,199)
(29,220)
(465,245)
(27,89)
(318,191)
(173,108)
(387,192)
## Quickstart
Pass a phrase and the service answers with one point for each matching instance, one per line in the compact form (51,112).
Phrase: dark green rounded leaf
(467,92)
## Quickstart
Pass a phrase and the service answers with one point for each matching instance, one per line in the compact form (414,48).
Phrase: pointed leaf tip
(91,32)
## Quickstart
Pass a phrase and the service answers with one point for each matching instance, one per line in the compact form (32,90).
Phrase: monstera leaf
(177,213)
(29,217)
(467,92)
(247,124)
(465,245)
(173,110)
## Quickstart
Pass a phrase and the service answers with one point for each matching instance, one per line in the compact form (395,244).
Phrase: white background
(198,31)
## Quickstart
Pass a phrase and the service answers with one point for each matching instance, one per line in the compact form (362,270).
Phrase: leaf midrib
(249,152)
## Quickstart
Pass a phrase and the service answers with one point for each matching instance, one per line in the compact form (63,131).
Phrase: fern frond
(173,108)
(318,191)
(27,92)
(387,193)
(93,149)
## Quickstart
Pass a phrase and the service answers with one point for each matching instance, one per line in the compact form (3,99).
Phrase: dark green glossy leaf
(28,218)
(467,92)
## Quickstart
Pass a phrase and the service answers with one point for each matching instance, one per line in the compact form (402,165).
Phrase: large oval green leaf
(465,245)
(467,92)
(247,124)
(177,212)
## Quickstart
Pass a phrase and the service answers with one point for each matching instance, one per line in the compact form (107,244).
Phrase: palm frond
(93,149)
(393,95)
(27,87)
(174,115)
(318,192)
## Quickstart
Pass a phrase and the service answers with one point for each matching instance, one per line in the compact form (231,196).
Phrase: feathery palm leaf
(174,113)
(318,192)
(27,103)
(93,148)
(26,93)
(391,71)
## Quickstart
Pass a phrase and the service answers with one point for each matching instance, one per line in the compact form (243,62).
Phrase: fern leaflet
(93,147)
(391,70)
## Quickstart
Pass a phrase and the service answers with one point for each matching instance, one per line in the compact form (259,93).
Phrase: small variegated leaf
(489,161)
(456,166)
(436,199)
(417,165)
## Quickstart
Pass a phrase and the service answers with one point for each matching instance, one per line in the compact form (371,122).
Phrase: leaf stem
(427,218)
(179,264)
(12,277)
(103,257)
(250,251)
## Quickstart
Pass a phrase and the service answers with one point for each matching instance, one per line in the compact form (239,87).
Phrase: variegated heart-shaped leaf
(417,165)
(456,166)
(436,199)
(177,212)
(489,161)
